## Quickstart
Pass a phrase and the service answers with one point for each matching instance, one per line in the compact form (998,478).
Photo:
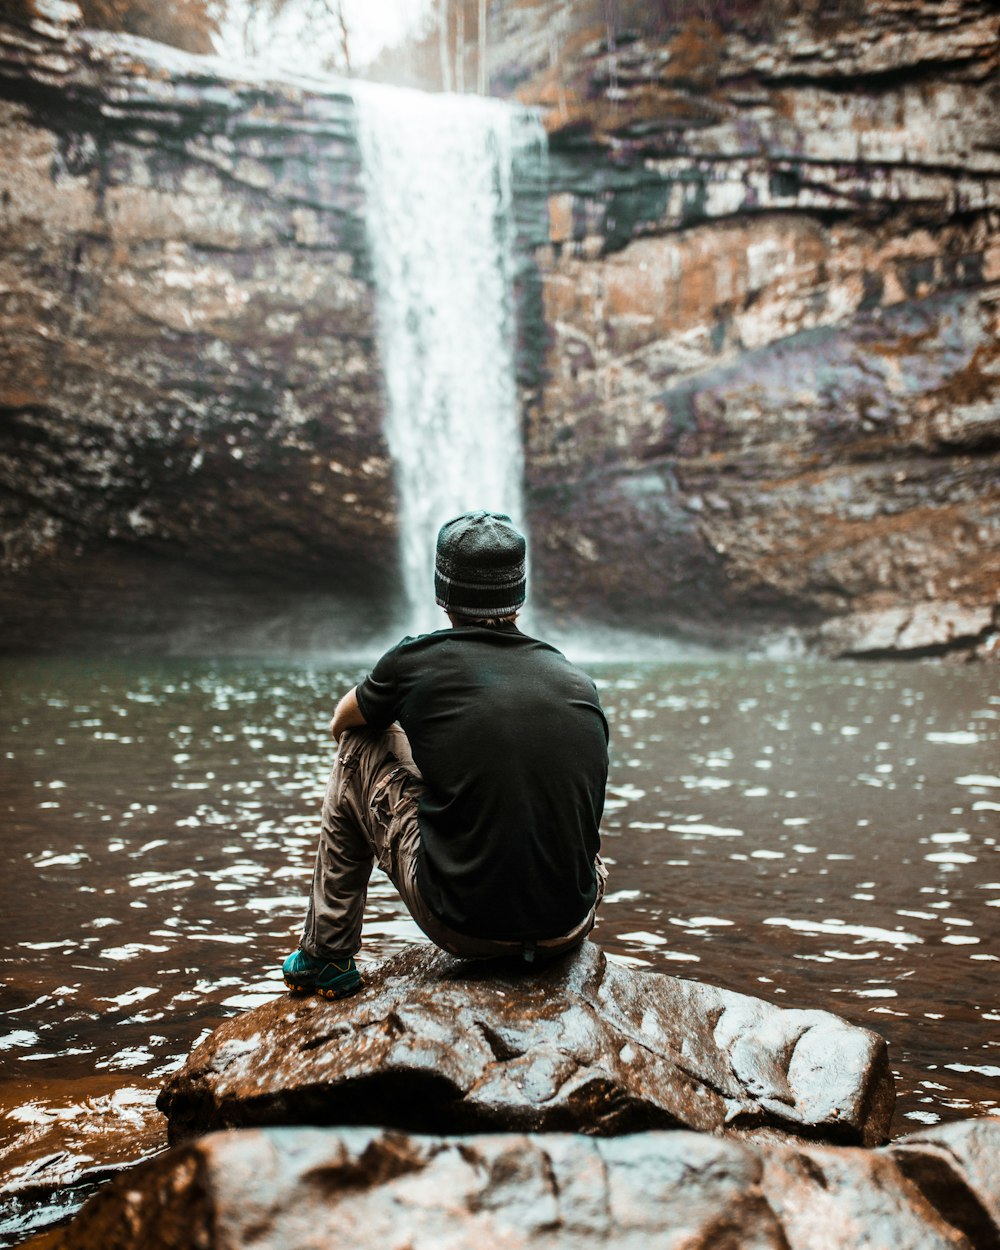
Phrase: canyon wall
(190,390)
(771,386)
(759,352)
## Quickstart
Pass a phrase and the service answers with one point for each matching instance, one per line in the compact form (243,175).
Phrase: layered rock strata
(773,376)
(291,1188)
(758,354)
(442,1045)
(190,377)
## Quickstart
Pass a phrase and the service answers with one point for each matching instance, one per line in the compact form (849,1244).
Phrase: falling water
(438,173)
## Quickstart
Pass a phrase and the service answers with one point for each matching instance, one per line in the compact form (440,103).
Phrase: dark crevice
(945,1188)
(410,1101)
(830,1133)
(383,1160)
(828,217)
(973,448)
(876,80)
(503,1051)
(706,1083)
(845,168)
(987,444)
(329,1035)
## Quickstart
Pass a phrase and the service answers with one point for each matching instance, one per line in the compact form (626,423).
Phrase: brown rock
(762,288)
(438,1044)
(190,371)
(291,1189)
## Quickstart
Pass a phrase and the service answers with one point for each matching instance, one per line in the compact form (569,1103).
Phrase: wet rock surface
(923,1191)
(190,373)
(956,1167)
(757,358)
(290,1188)
(771,380)
(443,1045)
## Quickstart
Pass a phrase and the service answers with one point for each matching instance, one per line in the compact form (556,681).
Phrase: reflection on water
(824,836)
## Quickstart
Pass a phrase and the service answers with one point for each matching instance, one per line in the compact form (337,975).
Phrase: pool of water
(821,835)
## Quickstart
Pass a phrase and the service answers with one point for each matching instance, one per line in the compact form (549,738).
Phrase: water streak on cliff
(438,178)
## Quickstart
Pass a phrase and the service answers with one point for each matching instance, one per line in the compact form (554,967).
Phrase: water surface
(820,835)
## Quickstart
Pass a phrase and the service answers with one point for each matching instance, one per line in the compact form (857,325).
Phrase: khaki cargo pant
(370,815)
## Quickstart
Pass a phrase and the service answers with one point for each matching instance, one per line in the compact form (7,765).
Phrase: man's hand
(348,714)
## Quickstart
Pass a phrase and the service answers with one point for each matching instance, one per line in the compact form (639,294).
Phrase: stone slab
(296,1189)
(439,1044)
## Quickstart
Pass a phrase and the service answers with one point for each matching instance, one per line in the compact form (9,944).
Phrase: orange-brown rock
(289,1189)
(438,1044)
(770,389)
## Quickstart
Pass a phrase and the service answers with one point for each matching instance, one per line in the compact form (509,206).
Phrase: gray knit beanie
(479,568)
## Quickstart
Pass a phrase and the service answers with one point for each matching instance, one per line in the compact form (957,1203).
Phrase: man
(483,803)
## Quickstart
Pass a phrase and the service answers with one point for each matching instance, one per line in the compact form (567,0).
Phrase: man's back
(512,745)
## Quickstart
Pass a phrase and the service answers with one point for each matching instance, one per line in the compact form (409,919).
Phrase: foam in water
(438,175)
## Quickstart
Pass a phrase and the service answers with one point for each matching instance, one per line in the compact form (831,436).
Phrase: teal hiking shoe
(330,978)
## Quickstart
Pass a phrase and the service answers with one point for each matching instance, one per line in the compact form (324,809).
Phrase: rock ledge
(436,1044)
(292,1189)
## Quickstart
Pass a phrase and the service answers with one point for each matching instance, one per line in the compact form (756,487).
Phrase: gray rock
(298,1189)
(956,1167)
(922,629)
(437,1044)
(841,1199)
(286,1189)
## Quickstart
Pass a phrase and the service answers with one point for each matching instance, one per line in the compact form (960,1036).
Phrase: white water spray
(438,176)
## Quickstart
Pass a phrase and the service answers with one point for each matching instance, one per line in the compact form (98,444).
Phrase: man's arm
(348,714)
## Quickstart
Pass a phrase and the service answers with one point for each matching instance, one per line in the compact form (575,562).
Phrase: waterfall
(438,174)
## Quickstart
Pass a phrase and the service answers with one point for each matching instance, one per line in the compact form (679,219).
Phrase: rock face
(773,377)
(190,370)
(442,1045)
(758,355)
(285,1189)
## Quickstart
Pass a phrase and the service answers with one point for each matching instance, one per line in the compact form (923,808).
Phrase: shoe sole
(298,988)
(335,994)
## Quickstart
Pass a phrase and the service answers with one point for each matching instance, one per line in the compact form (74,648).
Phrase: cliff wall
(190,390)
(759,353)
(772,299)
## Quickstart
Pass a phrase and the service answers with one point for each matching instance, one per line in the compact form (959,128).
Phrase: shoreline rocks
(289,1189)
(430,1109)
(443,1045)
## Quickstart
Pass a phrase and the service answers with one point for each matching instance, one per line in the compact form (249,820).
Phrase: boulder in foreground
(294,1189)
(437,1044)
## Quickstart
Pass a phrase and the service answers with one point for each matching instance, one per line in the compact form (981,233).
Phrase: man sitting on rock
(472,767)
